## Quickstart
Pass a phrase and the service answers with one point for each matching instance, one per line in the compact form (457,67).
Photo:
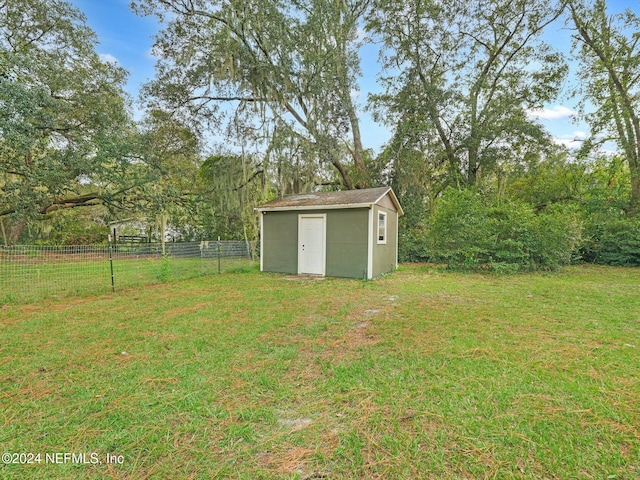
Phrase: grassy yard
(420,374)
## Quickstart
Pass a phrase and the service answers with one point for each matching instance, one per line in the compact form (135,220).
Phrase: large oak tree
(62,111)
(296,62)
(460,77)
(608,48)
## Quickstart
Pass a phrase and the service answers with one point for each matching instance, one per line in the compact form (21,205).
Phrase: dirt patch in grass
(360,334)
(28,309)
(304,278)
(167,290)
(70,304)
(294,424)
(291,460)
(176,312)
(340,340)
(361,329)
(294,460)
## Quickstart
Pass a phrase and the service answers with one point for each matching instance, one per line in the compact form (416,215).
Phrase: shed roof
(365,197)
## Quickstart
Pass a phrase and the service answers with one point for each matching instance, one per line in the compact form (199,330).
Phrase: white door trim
(323,240)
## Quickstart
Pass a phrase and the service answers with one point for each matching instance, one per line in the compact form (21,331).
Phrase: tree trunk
(358,150)
(346,179)
(5,241)
(15,230)
(473,166)
(163,229)
(634,207)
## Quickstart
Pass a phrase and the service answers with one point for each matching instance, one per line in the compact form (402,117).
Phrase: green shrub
(413,244)
(469,231)
(510,228)
(412,229)
(612,239)
(459,230)
(557,234)
(165,269)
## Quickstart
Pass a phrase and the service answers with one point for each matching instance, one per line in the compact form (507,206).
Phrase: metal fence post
(202,268)
(113,282)
(219,253)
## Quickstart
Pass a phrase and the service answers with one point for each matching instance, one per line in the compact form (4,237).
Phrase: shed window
(382,227)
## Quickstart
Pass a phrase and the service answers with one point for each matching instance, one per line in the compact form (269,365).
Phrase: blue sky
(126,38)
(123,36)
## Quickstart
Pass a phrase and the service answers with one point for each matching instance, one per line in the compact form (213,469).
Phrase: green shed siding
(351,247)
(280,242)
(346,254)
(384,255)
(347,242)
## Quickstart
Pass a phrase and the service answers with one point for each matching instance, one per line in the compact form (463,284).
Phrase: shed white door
(312,244)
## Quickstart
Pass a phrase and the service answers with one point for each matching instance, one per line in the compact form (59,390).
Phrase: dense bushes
(471,231)
(612,239)
(467,230)
(412,242)
(554,210)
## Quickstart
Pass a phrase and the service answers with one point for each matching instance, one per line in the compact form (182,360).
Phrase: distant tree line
(252,100)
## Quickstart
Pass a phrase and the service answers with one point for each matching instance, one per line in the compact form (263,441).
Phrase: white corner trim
(397,228)
(370,245)
(261,242)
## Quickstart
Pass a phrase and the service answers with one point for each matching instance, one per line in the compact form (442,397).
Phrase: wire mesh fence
(32,272)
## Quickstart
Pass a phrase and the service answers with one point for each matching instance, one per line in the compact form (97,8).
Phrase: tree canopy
(295,63)
(62,109)
(608,48)
(460,77)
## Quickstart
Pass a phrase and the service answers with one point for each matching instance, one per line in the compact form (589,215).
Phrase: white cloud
(553,113)
(108,58)
(572,140)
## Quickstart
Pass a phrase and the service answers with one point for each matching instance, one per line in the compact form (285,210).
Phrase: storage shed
(352,233)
